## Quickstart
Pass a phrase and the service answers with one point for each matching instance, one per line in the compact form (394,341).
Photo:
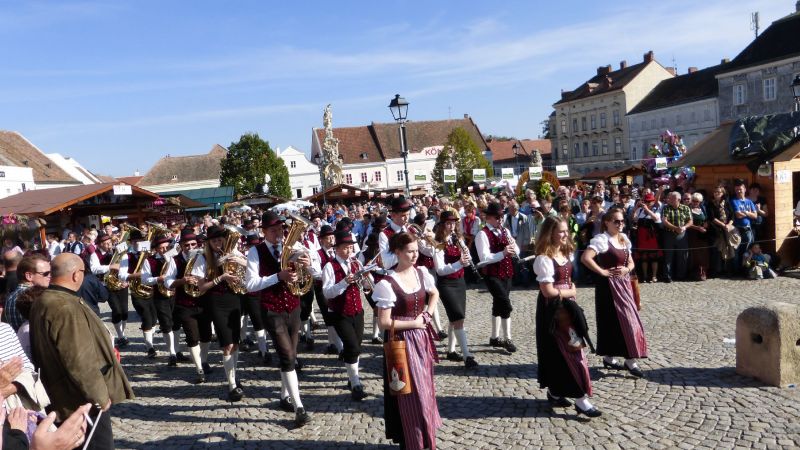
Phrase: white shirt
(255,282)
(172,271)
(388,259)
(316,263)
(54,248)
(442,268)
(384,296)
(601,242)
(330,288)
(482,245)
(98,269)
(151,279)
(476,226)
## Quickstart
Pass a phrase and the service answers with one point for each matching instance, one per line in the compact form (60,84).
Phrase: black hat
(270,219)
(344,225)
(162,239)
(379,223)
(102,238)
(343,237)
(494,209)
(400,204)
(215,231)
(253,239)
(448,216)
(136,235)
(187,234)
(326,230)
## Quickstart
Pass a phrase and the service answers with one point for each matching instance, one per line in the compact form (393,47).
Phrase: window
(616,117)
(400,176)
(585,149)
(378,175)
(739,94)
(292,164)
(663,122)
(298,192)
(633,153)
(364,177)
(617,145)
(678,120)
(594,148)
(583,123)
(563,127)
(604,146)
(602,120)
(174,178)
(707,115)
(565,150)
(574,125)
(314,190)
(577,152)
(652,124)
(2,174)
(769,89)
(644,125)
(594,121)
(348,178)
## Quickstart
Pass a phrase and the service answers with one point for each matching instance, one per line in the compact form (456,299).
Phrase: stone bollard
(768,343)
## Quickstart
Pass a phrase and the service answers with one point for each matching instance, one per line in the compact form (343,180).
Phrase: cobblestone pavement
(691,397)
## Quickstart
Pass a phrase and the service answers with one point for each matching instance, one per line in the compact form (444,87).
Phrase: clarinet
(465,251)
(507,233)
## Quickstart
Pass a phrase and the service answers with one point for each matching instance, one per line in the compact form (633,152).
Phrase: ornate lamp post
(515,147)
(796,92)
(399,108)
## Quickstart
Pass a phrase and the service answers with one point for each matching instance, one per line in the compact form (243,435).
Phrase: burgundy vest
(276,298)
(614,257)
(503,269)
(349,303)
(323,260)
(156,265)
(181,297)
(104,259)
(409,305)
(424,261)
(468,225)
(452,254)
(563,274)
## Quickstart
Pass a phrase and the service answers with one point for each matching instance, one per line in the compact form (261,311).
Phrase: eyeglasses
(44,274)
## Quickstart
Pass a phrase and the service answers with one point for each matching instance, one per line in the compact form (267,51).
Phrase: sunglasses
(618,222)
(44,274)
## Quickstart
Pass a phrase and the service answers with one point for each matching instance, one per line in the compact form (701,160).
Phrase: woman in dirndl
(648,220)
(406,297)
(561,330)
(619,328)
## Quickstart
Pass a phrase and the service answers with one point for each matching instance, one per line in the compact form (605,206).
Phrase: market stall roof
(615,172)
(47,201)
(713,150)
(258,199)
(183,201)
(349,192)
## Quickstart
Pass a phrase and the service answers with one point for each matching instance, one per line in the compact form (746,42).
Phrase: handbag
(397,371)
(637,298)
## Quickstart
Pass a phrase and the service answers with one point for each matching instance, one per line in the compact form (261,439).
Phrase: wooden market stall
(618,175)
(345,193)
(778,174)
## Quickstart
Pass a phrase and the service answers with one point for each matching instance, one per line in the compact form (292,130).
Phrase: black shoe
(496,342)
(265,358)
(151,353)
(182,358)
(235,394)
(247,346)
(377,340)
(309,344)
(201,378)
(470,362)
(613,365)
(510,347)
(667,280)
(173,361)
(286,404)
(560,402)
(301,417)
(331,350)
(635,371)
(123,342)
(358,394)
(207,368)
(453,356)
(442,335)
(298,366)
(592,412)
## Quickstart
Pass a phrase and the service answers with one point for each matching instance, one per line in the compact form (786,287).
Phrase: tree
(246,164)
(460,152)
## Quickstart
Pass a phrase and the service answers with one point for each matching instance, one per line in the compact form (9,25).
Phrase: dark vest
(349,303)
(276,298)
(156,265)
(323,260)
(452,254)
(409,305)
(181,297)
(503,269)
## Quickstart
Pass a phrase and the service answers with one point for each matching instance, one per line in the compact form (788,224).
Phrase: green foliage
(460,152)
(246,164)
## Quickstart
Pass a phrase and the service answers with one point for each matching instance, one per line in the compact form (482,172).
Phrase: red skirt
(647,244)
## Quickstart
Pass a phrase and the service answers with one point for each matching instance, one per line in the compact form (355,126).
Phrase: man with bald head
(73,349)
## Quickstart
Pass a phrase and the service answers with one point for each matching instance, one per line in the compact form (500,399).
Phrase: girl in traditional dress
(619,328)
(407,296)
(560,324)
(647,220)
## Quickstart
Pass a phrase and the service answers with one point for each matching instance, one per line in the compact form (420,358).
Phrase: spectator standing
(698,238)
(720,219)
(676,218)
(744,215)
(34,270)
(11,260)
(754,194)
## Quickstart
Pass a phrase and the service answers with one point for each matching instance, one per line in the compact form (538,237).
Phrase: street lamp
(399,108)
(320,161)
(796,92)
(515,147)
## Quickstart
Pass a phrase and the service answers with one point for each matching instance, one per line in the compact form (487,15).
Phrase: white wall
(692,121)
(303,174)
(71,166)
(14,180)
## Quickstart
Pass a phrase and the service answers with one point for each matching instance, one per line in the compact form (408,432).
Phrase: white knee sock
(120,327)
(262,340)
(230,371)
(609,359)
(461,336)
(242,328)
(507,328)
(451,342)
(235,355)
(304,328)
(352,374)
(437,321)
(495,327)
(284,388)
(376,331)
(204,351)
(584,403)
(169,340)
(334,339)
(148,339)
(631,363)
(293,387)
(198,363)
(312,317)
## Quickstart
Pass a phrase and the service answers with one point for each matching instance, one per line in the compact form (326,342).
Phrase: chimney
(623,64)
(649,56)
(671,70)
(466,116)
(725,61)
(692,69)
(604,70)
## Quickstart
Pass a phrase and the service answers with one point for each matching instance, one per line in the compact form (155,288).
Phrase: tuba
(162,288)
(111,278)
(191,290)
(232,267)
(304,279)
(137,287)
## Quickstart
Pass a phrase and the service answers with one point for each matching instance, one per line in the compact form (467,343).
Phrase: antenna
(674,65)
(449,110)
(754,22)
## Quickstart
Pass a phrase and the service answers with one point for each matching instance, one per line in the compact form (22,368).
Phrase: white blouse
(384,296)
(544,269)
(600,243)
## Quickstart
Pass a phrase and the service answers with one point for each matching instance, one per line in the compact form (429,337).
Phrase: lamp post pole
(515,147)
(796,94)
(399,108)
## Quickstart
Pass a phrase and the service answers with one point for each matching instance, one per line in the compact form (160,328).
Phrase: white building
(73,168)
(22,158)
(372,156)
(303,174)
(14,180)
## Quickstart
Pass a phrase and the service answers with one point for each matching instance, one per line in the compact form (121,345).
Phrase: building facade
(303,174)
(589,131)
(503,157)
(14,180)
(73,168)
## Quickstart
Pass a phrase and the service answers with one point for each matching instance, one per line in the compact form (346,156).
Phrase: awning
(43,202)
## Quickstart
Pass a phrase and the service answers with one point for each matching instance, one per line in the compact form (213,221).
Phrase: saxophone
(231,242)
(190,289)
(304,279)
(111,278)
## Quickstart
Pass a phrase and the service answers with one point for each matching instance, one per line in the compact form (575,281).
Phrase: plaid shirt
(679,216)
(11,314)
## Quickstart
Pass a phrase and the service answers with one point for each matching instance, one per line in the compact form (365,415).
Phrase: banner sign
(534,173)
(507,173)
(562,171)
(449,175)
(661,163)
(420,175)
(478,174)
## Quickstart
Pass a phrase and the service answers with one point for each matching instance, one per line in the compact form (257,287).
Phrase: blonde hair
(546,246)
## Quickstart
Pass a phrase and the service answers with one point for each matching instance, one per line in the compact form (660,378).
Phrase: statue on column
(536,158)
(332,164)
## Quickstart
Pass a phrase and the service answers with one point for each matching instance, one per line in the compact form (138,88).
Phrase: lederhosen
(163,305)
(347,314)
(143,306)
(322,303)
(192,313)
(452,288)
(498,275)
(226,313)
(280,310)
(117,300)
(307,300)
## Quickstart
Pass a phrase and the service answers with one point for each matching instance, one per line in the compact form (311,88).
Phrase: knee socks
(376,331)
(352,374)
(169,341)
(198,363)
(451,342)
(148,339)
(506,328)
(461,336)
(120,327)
(204,351)
(229,363)
(262,340)
(334,339)
(584,403)
(495,327)
(290,379)
(305,329)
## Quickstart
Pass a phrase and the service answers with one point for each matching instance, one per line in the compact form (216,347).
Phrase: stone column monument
(331,164)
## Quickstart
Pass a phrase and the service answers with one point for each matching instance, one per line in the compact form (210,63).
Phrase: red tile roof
(504,150)
(133,181)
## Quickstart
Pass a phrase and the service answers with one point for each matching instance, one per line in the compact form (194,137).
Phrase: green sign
(478,174)
(449,175)
(562,171)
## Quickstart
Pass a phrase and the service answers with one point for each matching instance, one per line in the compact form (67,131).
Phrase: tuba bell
(192,290)
(138,288)
(111,278)
(289,254)
(232,267)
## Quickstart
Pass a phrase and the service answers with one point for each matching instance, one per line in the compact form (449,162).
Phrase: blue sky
(118,85)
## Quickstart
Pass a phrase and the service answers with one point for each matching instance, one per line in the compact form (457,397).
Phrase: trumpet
(465,251)
(361,277)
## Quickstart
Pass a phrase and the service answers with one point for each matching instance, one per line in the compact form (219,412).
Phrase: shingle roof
(778,41)
(47,201)
(504,150)
(15,150)
(601,84)
(133,181)
(185,168)
(686,88)
(380,141)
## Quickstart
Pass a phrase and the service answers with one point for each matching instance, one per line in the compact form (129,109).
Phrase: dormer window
(292,164)
(363,156)
(174,178)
